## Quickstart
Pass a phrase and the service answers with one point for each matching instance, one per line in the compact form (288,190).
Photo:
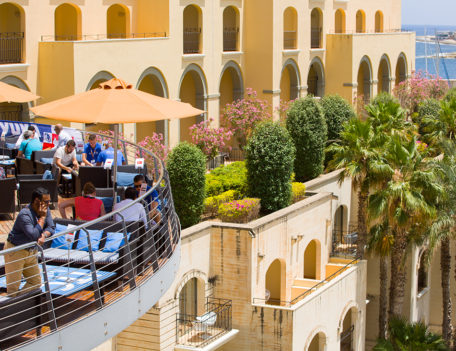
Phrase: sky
(429,12)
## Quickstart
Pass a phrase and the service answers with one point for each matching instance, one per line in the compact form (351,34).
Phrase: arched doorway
(193,91)
(192,29)
(312,260)
(231,29)
(384,75)
(360,22)
(118,21)
(379,22)
(12,33)
(67,22)
(290,28)
(275,282)
(341,218)
(231,84)
(94,83)
(401,69)
(316,78)
(318,342)
(348,330)
(191,298)
(364,91)
(289,81)
(423,271)
(152,82)
(316,25)
(339,21)
(12,111)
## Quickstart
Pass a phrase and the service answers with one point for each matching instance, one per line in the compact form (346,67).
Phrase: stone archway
(384,75)
(401,69)
(364,90)
(231,85)
(316,78)
(290,82)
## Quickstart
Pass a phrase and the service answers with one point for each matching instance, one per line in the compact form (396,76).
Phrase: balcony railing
(192,40)
(230,39)
(346,339)
(199,331)
(84,278)
(344,242)
(315,38)
(11,112)
(11,47)
(289,40)
(88,37)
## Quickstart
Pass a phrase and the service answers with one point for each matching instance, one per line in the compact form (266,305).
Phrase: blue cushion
(47,160)
(95,237)
(47,175)
(108,202)
(125,179)
(60,242)
(114,241)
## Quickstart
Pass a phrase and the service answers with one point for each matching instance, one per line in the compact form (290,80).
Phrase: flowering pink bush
(243,115)
(239,211)
(210,140)
(155,144)
(418,88)
(110,138)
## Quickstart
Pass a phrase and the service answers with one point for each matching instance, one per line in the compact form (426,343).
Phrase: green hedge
(269,159)
(187,168)
(212,203)
(336,111)
(229,177)
(307,126)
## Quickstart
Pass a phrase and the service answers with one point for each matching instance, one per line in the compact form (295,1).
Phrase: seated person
(21,137)
(28,145)
(108,154)
(91,151)
(87,207)
(135,212)
(152,200)
(65,157)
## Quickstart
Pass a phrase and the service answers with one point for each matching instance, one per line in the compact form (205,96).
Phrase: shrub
(212,203)
(451,94)
(239,211)
(229,177)
(306,125)
(187,168)
(384,98)
(336,111)
(298,191)
(429,108)
(269,159)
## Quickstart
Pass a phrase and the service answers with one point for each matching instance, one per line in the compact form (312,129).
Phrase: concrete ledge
(211,346)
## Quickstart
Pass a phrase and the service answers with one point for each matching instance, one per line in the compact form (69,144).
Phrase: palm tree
(444,126)
(404,336)
(406,202)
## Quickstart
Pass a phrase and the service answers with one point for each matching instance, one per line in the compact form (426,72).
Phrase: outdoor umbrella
(115,102)
(9,93)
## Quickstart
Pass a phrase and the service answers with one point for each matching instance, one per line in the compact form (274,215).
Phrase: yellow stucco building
(203,52)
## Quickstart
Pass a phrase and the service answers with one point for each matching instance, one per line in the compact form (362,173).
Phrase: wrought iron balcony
(344,242)
(315,38)
(11,47)
(192,40)
(289,40)
(230,39)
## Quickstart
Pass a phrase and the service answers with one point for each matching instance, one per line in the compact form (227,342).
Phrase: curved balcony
(97,277)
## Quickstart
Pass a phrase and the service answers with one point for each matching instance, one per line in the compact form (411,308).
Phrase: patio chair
(99,176)
(203,322)
(107,192)
(24,166)
(7,189)
(43,155)
(27,186)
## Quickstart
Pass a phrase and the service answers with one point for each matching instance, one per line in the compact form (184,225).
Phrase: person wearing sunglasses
(33,224)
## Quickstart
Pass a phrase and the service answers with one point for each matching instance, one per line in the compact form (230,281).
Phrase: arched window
(67,21)
(192,30)
(348,328)
(318,343)
(290,26)
(230,29)
(384,73)
(401,69)
(118,21)
(364,80)
(423,272)
(316,25)
(191,298)
(275,282)
(12,28)
(316,79)
(339,21)
(312,260)
(360,22)
(379,22)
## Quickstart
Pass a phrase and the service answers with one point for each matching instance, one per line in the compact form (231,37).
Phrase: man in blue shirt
(29,145)
(91,151)
(108,153)
(33,225)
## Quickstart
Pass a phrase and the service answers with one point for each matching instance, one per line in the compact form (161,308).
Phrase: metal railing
(230,39)
(289,40)
(283,303)
(235,154)
(199,331)
(344,242)
(88,266)
(11,47)
(89,37)
(11,112)
(346,339)
(192,40)
(370,31)
(315,38)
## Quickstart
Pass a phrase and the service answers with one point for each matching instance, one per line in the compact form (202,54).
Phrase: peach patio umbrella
(115,102)
(9,93)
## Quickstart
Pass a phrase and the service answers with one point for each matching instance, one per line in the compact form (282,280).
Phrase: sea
(447,66)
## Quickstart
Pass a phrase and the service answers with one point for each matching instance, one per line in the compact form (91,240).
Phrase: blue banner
(14,129)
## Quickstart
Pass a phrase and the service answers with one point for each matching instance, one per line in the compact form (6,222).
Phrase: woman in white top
(135,212)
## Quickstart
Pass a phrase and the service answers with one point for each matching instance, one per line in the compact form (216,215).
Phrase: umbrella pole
(114,173)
